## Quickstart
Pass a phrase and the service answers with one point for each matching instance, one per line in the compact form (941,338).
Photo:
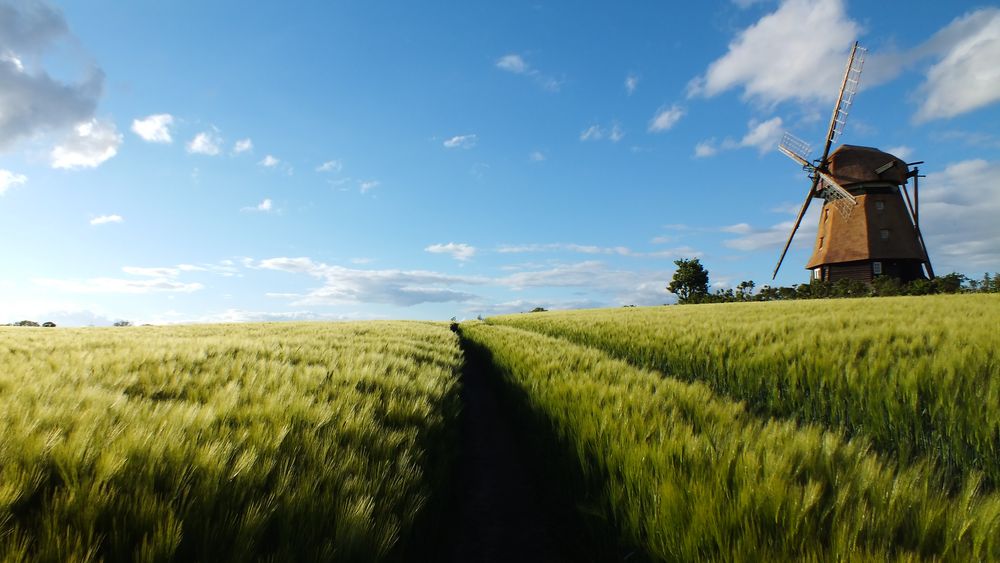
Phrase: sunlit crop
(687,475)
(291,442)
(918,376)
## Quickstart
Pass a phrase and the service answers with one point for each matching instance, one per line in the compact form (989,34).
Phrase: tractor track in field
(500,510)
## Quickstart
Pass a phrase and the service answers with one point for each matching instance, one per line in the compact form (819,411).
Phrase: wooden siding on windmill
(878,228)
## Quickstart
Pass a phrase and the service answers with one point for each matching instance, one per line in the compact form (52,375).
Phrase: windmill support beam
(916,226)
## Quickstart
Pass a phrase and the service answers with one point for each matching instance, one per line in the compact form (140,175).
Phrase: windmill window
(879,205)
(877,268)
(884,234)
(821,242)
(826,215)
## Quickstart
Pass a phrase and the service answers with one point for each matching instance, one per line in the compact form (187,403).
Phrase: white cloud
(613,133)
(105,219)
(269,161)
(592,133)
(244,316)
(536,156)
(774,237)
(763,135)
(594,249)
(517,65)
(348,285)
(243,145)
(739,229)
(616,134)
(9,179)
(631,83)
(458,251)
(154,128)
(206,142)
(368,185)
(512,63)
(968,75)
(783,57)
(330,166)
(705,148)
(91,143)
(34,103)
(665,118)
(624,287)
(152,272)
(958,211)
(117,285)
(265,206)
(461,141)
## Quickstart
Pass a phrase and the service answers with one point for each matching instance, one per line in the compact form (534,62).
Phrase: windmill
(866,229)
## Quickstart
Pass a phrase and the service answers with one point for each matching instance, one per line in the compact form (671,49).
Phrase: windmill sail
(794,148)
(851,81)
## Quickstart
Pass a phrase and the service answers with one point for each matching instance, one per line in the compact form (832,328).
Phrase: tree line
(690,285)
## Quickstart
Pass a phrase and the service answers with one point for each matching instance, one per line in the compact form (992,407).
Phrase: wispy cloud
(9,179)
(243,145)
(592,133)
(622,287)
(330,166)
(536,156)
(516,64)
(105,219)
(154,128)
(761,135)
(264,206)
(206,142)
(458,251)
(118,285)
(461,142)
(348,285)
(368,185)
(595,249)
(269,161)
(631,83)
(89,145)
(665,118)
(513,63)
(613,133)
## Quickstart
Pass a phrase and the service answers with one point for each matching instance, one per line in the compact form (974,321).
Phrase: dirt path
(500,512)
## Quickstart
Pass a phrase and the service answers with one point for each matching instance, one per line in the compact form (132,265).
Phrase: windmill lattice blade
(798,221)
(851,81)
(834,193)
(795,149)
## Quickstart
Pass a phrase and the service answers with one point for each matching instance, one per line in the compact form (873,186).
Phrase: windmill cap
(852,164)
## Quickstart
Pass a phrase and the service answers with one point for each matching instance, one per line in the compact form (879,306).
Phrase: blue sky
(202,162)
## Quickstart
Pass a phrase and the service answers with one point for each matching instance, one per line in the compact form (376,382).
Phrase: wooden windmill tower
(866,229)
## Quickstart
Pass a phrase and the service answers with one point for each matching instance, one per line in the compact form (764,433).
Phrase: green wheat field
(863,429)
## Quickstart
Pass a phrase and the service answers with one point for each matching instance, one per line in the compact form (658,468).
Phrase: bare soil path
(500,509)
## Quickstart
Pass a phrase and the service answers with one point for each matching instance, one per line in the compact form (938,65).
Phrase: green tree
(745,290)
(690,281)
